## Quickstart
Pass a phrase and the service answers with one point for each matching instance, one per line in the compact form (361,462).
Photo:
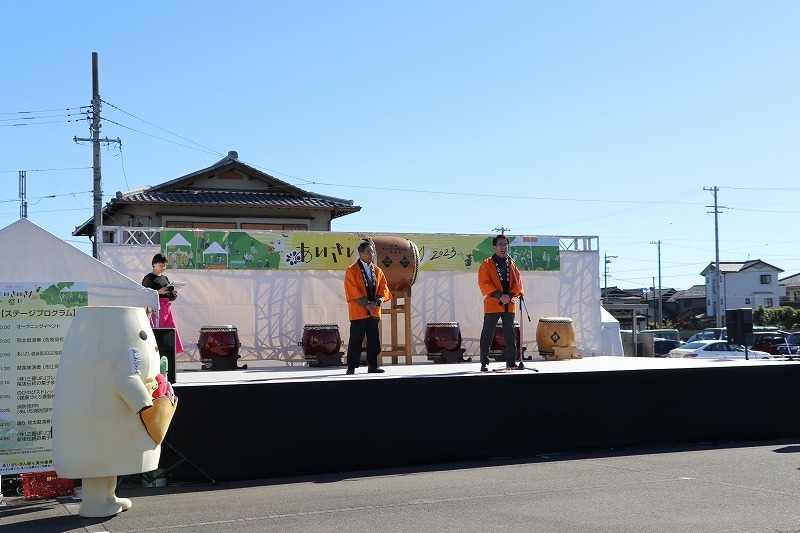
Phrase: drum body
(554,331)
(320,339)
(499,340)
(442,337)
(398,258)
(218,342)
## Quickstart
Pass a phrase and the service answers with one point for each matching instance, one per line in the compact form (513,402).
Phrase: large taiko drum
(442,337)
(498,345)
(398,257)
(554,331)
(219,347)
(321,342)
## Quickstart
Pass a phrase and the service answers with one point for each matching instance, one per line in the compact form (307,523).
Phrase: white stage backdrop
(270,307)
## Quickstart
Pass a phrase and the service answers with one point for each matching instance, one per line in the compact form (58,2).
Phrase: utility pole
(660,312)
(717,294)
(96,140)
(606,260)
(23,191)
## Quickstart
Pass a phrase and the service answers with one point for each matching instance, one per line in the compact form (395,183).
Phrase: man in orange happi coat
(365,289)
(500,283)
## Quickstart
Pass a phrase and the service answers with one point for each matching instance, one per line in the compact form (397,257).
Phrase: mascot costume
(110,410)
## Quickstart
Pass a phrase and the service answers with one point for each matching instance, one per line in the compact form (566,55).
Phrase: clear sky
(568,118)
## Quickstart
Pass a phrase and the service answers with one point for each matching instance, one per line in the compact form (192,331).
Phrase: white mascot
(104,386)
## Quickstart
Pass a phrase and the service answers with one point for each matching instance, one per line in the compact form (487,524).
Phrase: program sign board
(34,319)
(241,250)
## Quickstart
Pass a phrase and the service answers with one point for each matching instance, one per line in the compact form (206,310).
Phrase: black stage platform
(274,422)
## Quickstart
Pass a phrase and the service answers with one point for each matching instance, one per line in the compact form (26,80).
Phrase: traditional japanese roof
(727,267)
(790,281)
(265,191)
(695,291)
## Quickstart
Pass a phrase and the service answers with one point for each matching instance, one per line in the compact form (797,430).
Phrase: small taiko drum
(398,258)
(442,337)
(554,331)
(219,347)
(498,345)
(321,343)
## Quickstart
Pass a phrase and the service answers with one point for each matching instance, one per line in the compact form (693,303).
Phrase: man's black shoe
(520,365)
(351,371)
(484,368)
(375,370)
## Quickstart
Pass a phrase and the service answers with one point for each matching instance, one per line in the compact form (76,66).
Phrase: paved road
(720,487)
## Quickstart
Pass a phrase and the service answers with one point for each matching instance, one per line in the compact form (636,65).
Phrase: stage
(279,420)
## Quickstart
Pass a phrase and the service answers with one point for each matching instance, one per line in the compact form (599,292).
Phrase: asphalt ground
(711,487)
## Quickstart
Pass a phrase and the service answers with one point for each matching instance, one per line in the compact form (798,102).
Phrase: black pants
(358,328)
(487,333)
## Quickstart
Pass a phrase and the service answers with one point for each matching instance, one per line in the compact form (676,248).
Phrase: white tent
(610,335)
(35,255)
(178,240)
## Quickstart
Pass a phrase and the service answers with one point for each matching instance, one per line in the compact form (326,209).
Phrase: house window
(796,296)
(767,302)
(203,225)
(747,301)
(286,227)
(766,279)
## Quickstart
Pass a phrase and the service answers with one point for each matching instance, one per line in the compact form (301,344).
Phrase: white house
(742,284)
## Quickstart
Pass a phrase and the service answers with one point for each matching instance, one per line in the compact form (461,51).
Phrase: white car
(716,349)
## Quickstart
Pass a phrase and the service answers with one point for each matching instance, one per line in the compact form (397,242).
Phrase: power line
(207,151)
(162,129)
(47,169)
(44,110)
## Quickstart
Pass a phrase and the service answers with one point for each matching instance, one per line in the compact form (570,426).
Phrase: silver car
(716,349)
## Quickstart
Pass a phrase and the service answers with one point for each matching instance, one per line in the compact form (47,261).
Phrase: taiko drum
(398,258)
(218,341)
(320,339)
(499,340)
(442,337)
(554,331)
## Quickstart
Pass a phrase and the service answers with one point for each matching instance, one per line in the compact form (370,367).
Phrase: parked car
(661,347)
(709,334)
(791,346)
(672,334)
(769,342)
(716,349)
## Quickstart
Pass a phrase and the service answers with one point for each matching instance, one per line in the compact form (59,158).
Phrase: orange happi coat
(489,282)
(354,288)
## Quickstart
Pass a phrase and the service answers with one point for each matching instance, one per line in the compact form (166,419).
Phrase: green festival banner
(306,250)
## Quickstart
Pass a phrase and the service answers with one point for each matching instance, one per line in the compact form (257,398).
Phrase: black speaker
(165,340)
(740,325)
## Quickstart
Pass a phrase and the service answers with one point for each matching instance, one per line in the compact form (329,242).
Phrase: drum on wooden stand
(443,342)
(498,346)
(554,331)
(398,258)
(219,347)
(321,344)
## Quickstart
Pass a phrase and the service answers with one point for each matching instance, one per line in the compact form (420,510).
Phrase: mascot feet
(98,497)
(125,503)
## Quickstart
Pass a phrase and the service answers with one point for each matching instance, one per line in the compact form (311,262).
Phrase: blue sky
(564,118)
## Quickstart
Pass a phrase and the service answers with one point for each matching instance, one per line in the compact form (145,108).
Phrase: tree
(784,317)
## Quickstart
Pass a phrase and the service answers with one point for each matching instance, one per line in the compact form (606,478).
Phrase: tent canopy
(609,329)
(41,256)
(178,240)
(215,248)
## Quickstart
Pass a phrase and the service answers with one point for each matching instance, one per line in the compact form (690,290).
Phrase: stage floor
(190,374)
